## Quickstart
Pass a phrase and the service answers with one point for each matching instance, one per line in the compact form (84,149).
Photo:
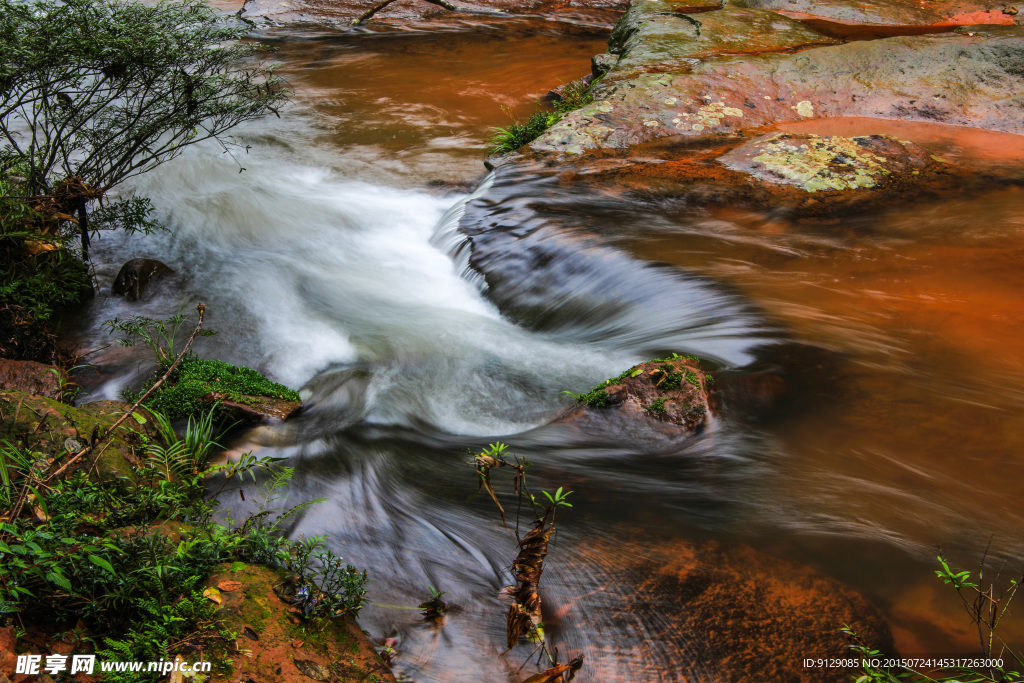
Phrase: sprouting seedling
(434,608)
(558,500)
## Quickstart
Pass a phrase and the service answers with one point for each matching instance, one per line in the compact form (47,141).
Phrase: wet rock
(651,41)
(419,13)
(250,410)
(33,378)
(673,390)
(602,64)
(889,12)
(136,275)
(283,650)
(675,78)
(832,163)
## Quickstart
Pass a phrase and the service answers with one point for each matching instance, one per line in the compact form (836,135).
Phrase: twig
(202,309)
(370,12)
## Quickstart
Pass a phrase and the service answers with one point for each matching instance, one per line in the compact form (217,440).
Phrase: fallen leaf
(213,594)
(228,586)
(312,669)
(250,633)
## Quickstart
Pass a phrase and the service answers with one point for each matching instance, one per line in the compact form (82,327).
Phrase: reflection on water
(331,263)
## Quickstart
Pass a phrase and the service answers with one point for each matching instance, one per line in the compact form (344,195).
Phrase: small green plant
(523,618)
(987,607)
(658,406)
(559,499)
(574,95)
(435,607)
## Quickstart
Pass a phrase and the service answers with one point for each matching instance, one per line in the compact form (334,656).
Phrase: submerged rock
(739,614)
(136,275)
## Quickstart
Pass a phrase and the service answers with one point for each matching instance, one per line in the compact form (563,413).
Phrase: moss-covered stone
(56,430)
(276,645)
(673,389)
(196,382)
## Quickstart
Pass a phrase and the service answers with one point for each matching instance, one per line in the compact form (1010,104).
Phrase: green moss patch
(196,377)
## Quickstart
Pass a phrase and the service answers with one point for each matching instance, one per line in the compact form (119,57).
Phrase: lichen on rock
(830,163)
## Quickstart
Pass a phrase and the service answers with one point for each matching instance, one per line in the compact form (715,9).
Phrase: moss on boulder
(55,430)
(276,645)
(673,390)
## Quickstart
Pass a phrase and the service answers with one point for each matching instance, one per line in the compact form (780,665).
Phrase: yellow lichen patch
(804,108)
(707,116)
(832,163)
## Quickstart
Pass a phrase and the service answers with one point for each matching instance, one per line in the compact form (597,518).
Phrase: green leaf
(59,579)
(101,563)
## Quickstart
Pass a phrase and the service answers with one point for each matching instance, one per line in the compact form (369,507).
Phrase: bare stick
(370,12)
(202,309)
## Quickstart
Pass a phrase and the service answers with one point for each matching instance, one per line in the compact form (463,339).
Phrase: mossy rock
(276,645)
(56,430)
(243,392)
(673,390)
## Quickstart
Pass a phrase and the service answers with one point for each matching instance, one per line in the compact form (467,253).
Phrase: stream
(335,263)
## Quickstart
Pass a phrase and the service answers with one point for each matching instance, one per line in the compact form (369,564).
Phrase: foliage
(182,394)
(987,607)
(434,608)
(574,95)
(658,406)
(104,90)
(93,92)
(524,613)
(38,278)
(88,549)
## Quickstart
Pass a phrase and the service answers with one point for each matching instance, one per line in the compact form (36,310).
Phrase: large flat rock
(969,78)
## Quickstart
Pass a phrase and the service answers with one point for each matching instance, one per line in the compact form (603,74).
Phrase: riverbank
(111,551)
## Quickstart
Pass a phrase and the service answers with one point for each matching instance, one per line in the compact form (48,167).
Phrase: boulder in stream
(673,390)
(136,275)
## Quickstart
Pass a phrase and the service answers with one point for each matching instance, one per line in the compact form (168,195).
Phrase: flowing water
(334,263)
